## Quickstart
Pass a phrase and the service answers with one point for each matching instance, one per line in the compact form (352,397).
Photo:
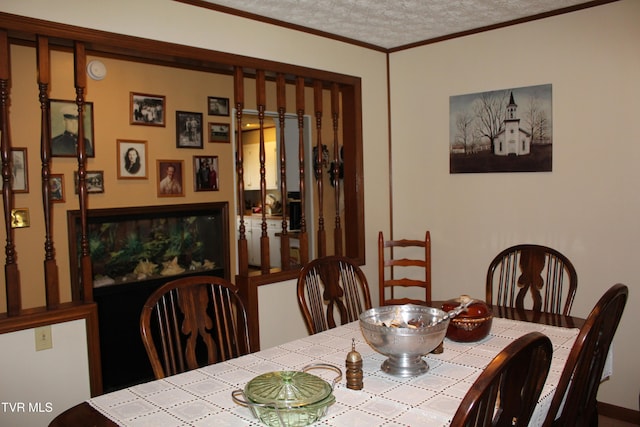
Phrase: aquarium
(139,244)
(133,252)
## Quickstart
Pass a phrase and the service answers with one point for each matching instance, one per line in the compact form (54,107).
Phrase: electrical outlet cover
(44,340)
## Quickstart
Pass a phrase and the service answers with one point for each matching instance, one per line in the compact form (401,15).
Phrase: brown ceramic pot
(471,325)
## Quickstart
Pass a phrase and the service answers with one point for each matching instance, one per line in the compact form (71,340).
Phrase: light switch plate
(44,340)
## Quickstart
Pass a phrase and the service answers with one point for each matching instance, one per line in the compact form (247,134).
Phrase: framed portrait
(188,129)
(132,159)
(20,183)
(63,120)
(205,171)
(94,180)
(170,178)
(218,106)
(56,188)
(147,110)
(219,132)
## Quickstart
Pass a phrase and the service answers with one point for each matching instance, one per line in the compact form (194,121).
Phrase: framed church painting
(507,130)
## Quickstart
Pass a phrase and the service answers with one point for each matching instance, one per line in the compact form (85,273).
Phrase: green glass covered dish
(289,398)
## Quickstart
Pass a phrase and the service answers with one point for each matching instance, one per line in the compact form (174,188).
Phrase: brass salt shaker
(354,368)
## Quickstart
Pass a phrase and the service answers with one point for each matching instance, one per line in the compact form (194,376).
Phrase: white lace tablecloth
(203,397)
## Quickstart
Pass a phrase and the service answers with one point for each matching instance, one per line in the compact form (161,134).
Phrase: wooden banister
(80,79)
(317,99)
(261,99)
(243,251)
(285,247)
(335,170)
(12,277)
(52,286)
(304,238)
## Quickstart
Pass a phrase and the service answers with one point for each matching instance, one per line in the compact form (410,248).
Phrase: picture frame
(205,173)
(94,180)
(218,106)
(519,140)
(132,159)
(219,132)
(20,218)
(170,181)
(19,167)
(188,129)
(147,110)
(63,124)
(56,188)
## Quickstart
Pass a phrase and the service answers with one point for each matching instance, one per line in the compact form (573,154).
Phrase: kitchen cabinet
(274,226)
(291,136)
(251,157)
(253,241)
(253,233)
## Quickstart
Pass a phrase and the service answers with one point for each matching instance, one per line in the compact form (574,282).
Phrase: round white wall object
(96,69)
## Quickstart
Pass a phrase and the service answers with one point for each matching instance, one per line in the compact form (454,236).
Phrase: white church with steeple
(512,139)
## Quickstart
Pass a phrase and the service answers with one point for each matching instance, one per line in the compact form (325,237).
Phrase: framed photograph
(63,121)
(170,178)
(132,159)
(95,181)
(20,182)
(205,170)
(219,132)
(147,110)
(188,129)
(56,188)
(218,106)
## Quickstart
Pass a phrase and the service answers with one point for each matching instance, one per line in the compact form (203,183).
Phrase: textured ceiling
(390,24)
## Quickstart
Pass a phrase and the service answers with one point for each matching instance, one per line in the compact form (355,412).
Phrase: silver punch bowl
(404,333)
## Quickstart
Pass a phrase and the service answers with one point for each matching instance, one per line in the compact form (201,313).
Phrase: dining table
(203,397)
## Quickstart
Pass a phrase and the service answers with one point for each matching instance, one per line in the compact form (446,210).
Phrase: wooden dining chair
(574,402)
(330,286)
(396,259)
(192,322)
(542,276)
(507,391)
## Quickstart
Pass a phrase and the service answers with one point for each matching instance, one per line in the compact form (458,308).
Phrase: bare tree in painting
(542,128)
(464,134)
(490,109)
(530,116)
(536,120)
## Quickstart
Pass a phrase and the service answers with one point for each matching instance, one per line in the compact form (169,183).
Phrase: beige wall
(587,207)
